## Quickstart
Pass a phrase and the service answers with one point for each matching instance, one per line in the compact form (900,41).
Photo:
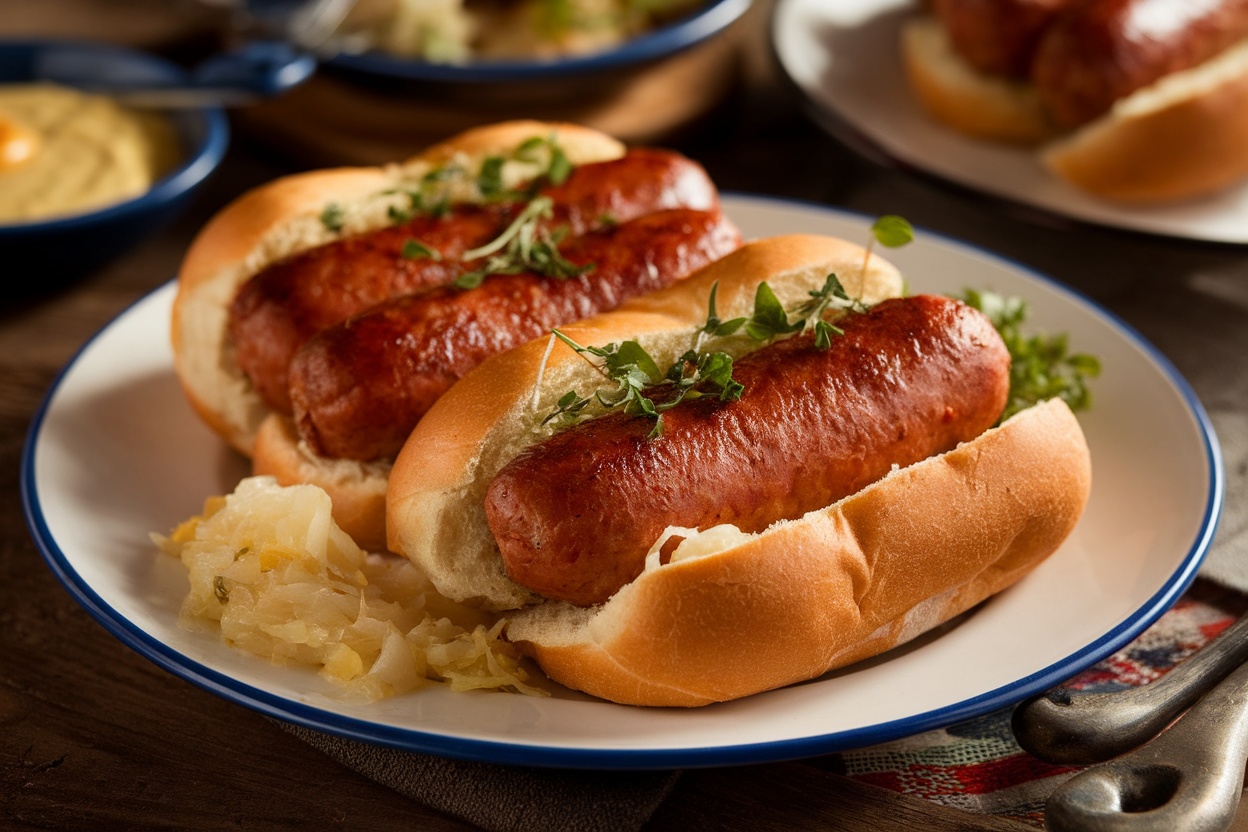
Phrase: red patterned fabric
(977,766)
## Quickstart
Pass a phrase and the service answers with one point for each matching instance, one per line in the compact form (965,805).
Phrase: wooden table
(95,737)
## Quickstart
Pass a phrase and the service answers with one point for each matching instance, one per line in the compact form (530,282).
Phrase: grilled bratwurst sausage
(1095,53)
(575,515)
(997,36)
(284,305)
(360,387)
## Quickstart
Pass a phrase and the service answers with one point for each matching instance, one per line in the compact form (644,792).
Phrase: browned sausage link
(575,515)
(996,36)
(1098,52)
(284,305)
(359,388)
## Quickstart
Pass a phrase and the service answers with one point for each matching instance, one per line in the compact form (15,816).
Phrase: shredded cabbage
(271,571)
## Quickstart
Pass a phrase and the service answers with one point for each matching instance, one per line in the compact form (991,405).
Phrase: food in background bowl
(455,31)
(39,253)
(64,152)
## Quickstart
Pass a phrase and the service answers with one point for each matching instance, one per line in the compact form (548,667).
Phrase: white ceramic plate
(116,453)
(844,57)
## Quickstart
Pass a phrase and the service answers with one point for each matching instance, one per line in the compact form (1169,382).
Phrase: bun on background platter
(1176,127)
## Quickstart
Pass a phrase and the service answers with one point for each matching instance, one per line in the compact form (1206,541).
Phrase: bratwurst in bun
(772,495)
(1133,100)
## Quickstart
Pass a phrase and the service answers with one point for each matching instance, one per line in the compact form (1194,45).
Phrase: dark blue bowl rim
(661,42)
(200,161)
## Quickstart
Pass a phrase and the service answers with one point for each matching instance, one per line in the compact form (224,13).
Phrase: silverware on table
(1189,778)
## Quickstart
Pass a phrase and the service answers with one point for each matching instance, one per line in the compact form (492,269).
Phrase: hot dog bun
(749,612)
(284,217)
(1180,137)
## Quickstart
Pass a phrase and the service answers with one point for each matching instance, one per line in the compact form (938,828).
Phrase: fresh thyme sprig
(700,372)
(1041,366)
(697,372)
(526,245)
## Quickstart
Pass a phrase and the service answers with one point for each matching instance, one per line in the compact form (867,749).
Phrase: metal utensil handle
(1066,726)
(1190,778)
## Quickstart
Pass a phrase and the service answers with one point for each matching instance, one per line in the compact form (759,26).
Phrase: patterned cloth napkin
(974,766)
(977,766)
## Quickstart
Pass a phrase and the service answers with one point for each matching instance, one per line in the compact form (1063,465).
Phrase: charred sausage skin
(359,388)
(575,515)
(284,305)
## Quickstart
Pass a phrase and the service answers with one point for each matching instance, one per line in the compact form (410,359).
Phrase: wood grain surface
(92,736)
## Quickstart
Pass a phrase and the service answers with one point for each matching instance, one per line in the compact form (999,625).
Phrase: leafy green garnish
(697,372)
(700,372)
(1041,366)
(634,371)
(524,246)
(333,217)
(892,231)
(414,249)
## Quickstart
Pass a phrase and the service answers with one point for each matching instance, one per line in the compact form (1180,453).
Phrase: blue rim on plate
(666,40)
(731,751)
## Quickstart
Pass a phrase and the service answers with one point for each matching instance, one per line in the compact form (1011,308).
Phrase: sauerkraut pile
(271,571)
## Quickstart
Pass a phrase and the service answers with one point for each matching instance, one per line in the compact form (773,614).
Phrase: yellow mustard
(64,152)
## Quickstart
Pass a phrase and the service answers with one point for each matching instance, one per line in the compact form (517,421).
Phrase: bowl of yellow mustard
(84,176)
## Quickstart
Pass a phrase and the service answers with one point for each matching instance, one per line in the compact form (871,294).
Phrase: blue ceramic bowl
(73,245)
(674,37)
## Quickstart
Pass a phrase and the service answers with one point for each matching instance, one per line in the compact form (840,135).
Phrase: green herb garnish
(524,246)
(633,370)
(414,249)
(699,372)
(333,217)
(1041,366)
(220,590)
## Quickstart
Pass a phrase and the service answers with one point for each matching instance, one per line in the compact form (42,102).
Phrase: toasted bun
(435,506)
(283,218)
(1179,138)
(357,490)
(1185,136)
(955,93)
(733,613)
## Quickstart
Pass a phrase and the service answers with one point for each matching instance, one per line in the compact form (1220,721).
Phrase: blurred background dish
(844,58)
(82,178)
(374,106)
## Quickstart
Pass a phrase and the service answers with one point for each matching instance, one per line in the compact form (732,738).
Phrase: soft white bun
(957,94)
(1181,137)
(734,614)
(282,218)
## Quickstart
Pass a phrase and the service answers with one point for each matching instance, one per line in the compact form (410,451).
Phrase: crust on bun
(955,93)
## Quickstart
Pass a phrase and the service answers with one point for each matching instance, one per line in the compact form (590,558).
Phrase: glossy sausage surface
(575,515)
(1095,53)
(283,306)
(997,36)
(359,388)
